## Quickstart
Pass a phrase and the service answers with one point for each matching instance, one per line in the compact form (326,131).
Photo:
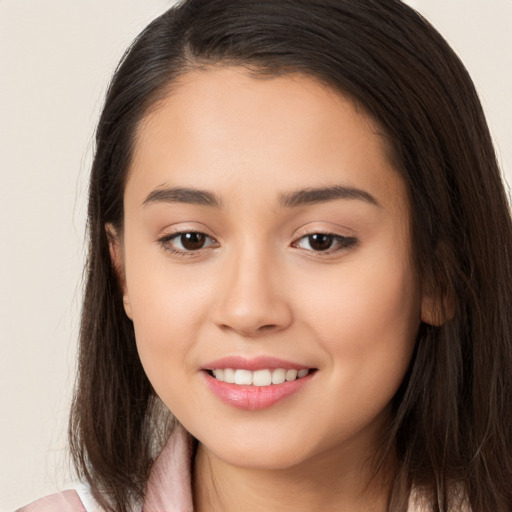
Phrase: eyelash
(341,242)
(166,242)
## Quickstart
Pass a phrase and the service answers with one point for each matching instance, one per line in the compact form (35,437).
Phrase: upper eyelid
(165,240)
(298,236)
(183,232)
(171,236)
(324,228)
(343,243)
(319,231)
(171,231)
(325,233)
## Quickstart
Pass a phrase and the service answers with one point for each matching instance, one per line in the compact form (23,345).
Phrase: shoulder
(168,487)
(66,501)
(77,499)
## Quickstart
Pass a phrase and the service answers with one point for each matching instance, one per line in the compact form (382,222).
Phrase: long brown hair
(452,423)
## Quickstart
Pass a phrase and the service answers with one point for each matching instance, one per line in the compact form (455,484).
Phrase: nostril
(248,331)
(268,327)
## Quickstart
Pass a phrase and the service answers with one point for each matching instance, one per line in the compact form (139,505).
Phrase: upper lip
(253,364)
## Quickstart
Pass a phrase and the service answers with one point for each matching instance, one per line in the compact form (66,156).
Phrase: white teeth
(259,377)
(229,375)
(278,376)
(219,374)
(243,377)
(291,375)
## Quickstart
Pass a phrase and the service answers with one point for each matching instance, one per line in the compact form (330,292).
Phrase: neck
(329,482)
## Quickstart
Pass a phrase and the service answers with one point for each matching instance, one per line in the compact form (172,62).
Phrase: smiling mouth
(260,378)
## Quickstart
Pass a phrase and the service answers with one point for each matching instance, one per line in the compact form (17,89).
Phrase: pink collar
(169,487)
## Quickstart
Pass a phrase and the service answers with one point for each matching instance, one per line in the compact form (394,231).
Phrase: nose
(252,300)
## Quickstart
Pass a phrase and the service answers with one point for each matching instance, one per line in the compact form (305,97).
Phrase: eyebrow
(183,195)
(311,196)
(303,197)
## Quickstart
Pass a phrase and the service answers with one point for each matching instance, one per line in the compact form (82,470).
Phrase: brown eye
(187,242)
(192,241)
(325,242)
(320,242)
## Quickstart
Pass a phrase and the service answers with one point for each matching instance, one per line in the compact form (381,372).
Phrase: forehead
(224,127)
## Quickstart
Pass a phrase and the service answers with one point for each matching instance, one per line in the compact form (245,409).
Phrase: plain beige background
(56,57)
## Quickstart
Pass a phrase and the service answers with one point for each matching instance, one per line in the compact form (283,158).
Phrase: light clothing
(169,486)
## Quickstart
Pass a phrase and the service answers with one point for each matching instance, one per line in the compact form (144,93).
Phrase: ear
(117,258)
(436,310)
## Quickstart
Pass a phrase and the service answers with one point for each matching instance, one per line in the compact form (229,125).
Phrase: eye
(324,242)
(187,242)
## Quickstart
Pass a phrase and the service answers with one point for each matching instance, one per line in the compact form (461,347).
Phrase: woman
(300,246)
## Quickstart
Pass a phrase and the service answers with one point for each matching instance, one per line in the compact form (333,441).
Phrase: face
(266,242)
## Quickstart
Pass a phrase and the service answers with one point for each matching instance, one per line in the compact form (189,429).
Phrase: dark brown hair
(452,426)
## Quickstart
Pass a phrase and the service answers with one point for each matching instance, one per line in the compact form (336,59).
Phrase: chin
(262,458)
(260,450)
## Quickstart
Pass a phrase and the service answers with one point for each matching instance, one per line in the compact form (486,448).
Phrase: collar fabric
(169,487)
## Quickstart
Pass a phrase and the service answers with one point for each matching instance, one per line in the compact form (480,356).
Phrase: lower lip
(253,398)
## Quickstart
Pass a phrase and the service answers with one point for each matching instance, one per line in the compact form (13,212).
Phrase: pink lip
(256,363)
(252,398)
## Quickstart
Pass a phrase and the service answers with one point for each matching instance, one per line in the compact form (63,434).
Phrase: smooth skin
(255,277)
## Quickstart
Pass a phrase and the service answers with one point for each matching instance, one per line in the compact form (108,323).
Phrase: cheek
(164,317)
(165,323)
(164,297)
(171,308)
(168,310)
(367,321)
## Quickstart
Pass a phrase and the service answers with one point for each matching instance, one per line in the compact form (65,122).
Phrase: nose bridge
(253,298)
